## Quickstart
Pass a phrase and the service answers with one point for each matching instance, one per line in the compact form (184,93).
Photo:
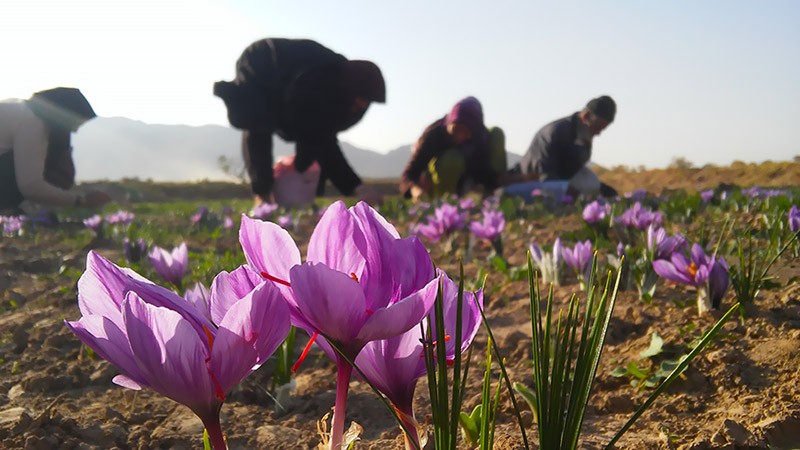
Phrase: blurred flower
(120,217)
(285,221)
(13,225)
(394,365)
(639,218)
(263,211)
(492,226)
(466,203)
(158,340)
(445,220)
(579,258)
(227,210)
(793,216)
(227,223)
(549,264)
(596,211)
(172,265)
(134,250)
(637,195)
(200,216)
(707,195)
(94,223)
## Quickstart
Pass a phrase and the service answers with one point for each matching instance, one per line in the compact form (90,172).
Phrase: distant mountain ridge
(113,148)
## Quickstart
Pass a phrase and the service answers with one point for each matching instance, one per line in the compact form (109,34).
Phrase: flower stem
(214,431)
(412,436)
(343,372)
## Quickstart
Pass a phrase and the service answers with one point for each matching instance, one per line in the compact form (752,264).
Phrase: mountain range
(113,148)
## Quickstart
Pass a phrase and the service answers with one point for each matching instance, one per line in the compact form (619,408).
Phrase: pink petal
(107,340)
(229,288)
(399,317)
(268,248)
(330,301)
(337,241)
(248,334)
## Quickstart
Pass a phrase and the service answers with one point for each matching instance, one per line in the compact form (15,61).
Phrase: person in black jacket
(561,149)
(306,93)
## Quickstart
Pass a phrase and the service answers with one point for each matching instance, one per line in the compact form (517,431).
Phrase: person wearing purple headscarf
(307,94)
(455,152)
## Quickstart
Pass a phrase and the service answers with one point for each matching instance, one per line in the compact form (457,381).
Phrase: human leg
(585,182)
(446,172)
(257,155)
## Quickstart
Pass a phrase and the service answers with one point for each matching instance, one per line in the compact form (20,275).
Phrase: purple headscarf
(469,112)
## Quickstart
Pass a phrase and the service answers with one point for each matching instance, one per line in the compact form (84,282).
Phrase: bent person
(305,93)
(561,150)
(456,153)
(35,153)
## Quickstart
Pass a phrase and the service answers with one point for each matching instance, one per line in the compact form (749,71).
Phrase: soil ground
(742,392)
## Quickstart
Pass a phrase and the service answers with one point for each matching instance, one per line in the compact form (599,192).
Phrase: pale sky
(711,81)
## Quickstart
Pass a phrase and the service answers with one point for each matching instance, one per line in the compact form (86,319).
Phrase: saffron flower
(596,212)
(638,217)
(134,251)
(707,273)
(120,218)
(445,220)
(492,226)
(549,264)
(263,211)
(579,258)
(170,265)
(94,223)
(793,216)
(361,282)
(160,341)
(200,216)
(707,195)
(285,221)
(466,203)
(661,246)
(394,365)
(13,225)
(227,223)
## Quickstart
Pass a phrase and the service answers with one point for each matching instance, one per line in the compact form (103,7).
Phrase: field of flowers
(694,311)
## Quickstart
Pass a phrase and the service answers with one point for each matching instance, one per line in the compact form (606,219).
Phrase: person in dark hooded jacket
(307,94)
(35,152)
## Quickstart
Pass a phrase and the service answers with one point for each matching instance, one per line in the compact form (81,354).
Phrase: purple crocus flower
(172,265)
(596,211)
(13,225)
(200,297)
(639,218)
(120,217)
(227,223)
(227,211)
(793,216)
(263,211)
(94,223)
(134,250)
(549,264)
(285,221)
(445,220)
(200,216)
(637,195)
(579,258)
(160,341)
(705,272)
(492,226)
(466,203)
(394,365)
(361,282)
(661,246)
(707,195)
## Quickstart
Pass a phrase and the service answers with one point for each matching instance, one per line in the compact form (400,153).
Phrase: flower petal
(268,247)
(401,316)
(229,288)
(248,334)
(667,269)
(337,241)
(330,301)
(169,353)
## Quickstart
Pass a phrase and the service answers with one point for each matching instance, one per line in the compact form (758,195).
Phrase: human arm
(333,164)
(428,146)
(30,153)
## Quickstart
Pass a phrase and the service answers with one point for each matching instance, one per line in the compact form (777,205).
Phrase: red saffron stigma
(354,276)
(450,363)
(217,388)
(209,337)
(274,279)
(305,352)
(446,337)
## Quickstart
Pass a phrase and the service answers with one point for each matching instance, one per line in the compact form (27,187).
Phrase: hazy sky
(712,81)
